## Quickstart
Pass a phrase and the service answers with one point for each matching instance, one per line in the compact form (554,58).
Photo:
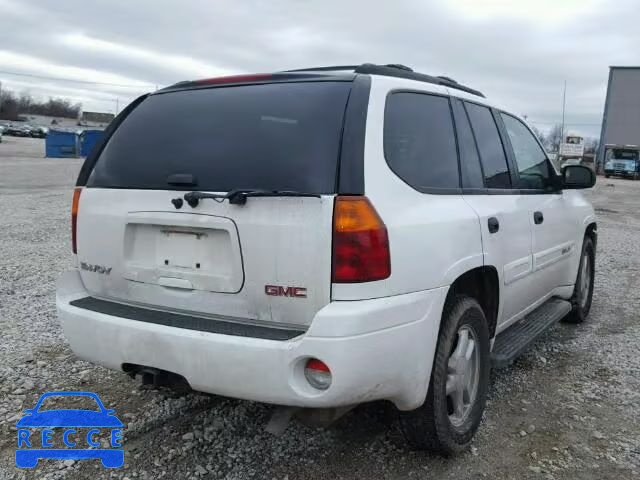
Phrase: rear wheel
(452,411)
(583,291)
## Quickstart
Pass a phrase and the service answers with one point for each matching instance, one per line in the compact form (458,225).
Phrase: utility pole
(564,103)
(117,105)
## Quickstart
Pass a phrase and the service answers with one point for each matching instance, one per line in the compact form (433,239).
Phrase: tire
(582,296)
(433,425)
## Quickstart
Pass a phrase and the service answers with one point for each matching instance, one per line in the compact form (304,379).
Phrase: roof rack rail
(401,71)
(395,70)
(399,66)
(324,69)
(448,79)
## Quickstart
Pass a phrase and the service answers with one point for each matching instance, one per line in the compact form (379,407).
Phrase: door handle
(538,218)
(493,224)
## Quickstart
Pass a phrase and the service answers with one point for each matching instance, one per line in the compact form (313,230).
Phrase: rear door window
(492,154)
(419,141)
(278,136)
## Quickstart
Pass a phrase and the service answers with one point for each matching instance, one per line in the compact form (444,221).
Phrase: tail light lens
(74,218)
(360,242)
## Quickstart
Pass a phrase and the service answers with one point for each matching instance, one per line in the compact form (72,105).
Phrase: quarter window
(419,141)
(533,166)
(494,160)
(470,168)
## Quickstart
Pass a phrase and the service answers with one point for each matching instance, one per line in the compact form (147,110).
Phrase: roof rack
(399,71)
(325,69)
(395,70)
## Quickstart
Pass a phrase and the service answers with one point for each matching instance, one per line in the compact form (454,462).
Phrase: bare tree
(541,136)
(9,104)
(13,106)
(554,137)
(591,145)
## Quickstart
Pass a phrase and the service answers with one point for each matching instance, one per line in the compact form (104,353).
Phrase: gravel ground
(569,408)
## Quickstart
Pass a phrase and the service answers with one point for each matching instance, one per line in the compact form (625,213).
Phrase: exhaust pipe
(157,378)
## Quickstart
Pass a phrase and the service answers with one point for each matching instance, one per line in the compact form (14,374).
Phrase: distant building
(621,122)
(96,117)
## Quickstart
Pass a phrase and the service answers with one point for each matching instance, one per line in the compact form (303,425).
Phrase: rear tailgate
(267,261)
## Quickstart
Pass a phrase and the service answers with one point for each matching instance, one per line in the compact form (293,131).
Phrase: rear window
(279,136)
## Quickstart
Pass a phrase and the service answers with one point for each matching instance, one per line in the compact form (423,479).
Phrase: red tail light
(74,217)
(360,242)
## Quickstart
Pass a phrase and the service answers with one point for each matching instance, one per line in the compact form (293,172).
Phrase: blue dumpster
(88,139)
(62,144)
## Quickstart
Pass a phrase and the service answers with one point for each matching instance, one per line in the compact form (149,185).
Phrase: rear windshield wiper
(239,196)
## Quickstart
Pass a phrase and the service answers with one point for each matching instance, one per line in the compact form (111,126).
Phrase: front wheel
(583,290)
(452,411)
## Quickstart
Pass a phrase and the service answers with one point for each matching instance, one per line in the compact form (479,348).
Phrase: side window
(494,160)
(470,168)
(419,142)
(533,166)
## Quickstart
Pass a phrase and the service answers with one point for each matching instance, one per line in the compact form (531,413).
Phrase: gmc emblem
(279,291)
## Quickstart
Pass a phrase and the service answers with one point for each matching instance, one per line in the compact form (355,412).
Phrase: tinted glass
(419,142)
(494,160)
(533,167)
(283,136)
(469,160)
(624,154)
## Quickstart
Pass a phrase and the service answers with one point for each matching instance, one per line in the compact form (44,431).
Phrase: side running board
(518,337)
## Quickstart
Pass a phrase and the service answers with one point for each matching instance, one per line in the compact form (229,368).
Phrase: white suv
(326,237)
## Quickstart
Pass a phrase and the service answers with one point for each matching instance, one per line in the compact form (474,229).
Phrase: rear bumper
(376,349)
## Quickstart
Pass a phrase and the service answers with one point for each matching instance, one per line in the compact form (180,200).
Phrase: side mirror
(575,177)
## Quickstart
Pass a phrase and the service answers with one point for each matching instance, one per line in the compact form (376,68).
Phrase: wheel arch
(482,284)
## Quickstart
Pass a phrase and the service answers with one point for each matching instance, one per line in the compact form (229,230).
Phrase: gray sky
(516,51)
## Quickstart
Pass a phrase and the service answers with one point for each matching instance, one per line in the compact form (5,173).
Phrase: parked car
(1,132)
(323,238)
(19,130)
(39,132)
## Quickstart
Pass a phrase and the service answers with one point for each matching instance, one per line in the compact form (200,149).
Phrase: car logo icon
(32,447)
